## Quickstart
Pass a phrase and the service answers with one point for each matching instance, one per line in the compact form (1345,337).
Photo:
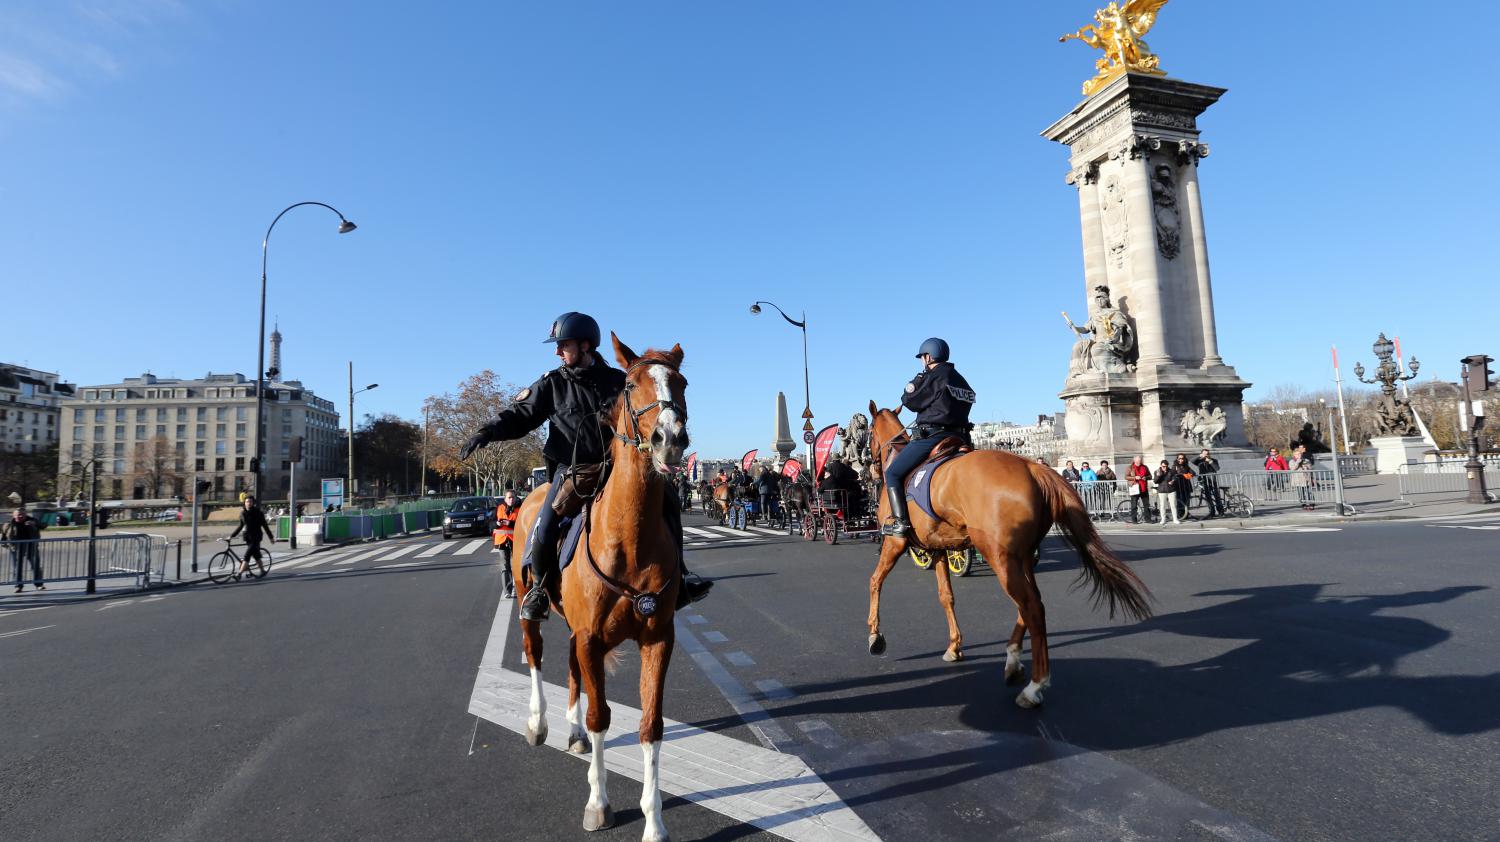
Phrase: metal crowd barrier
(1444,477)
(67,559)
(1263,488)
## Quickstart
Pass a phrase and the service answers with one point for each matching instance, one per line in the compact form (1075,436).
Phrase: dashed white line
(774,690)
(739,659)
(115,605)
(730,531)
(20,632)
(402,564)
(715,637)
(433,550)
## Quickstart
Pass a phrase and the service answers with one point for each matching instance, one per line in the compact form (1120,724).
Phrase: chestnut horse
(622,583)
(1003,505)
(723,497)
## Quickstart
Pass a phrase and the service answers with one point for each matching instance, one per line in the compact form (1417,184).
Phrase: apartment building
(29,407)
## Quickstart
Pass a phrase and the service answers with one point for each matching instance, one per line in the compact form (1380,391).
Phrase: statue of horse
(623,580)
(1004,506)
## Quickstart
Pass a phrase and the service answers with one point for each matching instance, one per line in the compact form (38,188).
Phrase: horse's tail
(1109,577)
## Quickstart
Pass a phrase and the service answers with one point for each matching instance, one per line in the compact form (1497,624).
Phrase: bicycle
(225,565)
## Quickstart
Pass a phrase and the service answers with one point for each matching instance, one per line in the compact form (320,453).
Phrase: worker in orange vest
(505,530)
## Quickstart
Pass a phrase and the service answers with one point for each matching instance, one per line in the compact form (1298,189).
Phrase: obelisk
(783,445)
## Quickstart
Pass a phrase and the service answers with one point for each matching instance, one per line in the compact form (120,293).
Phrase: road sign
(333,493)
(807,437)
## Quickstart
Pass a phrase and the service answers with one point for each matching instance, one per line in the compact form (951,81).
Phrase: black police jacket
(942,398)
(570,400)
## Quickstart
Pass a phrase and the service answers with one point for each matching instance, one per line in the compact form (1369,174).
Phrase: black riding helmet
(575,326)
(936,347)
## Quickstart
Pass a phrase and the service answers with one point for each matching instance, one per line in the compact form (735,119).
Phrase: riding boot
(537,605)
(896,525)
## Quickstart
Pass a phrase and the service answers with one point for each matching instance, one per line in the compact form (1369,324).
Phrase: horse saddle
(919,481)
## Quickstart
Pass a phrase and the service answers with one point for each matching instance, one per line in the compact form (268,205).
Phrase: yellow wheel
(959,562)
(920,557)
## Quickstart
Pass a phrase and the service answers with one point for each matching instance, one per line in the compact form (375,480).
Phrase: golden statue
(1117,30)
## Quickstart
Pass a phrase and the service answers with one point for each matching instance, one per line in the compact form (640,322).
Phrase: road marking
(115,605)
(739,659)
(765,530)
(316,561)
(701,533)
(768,789)
(472,546)
(364,555)
(696,619)
(433,550)
(715,637)
(20,632)
(402,564)
(1461,526)
(401,552)
(821,733)
(774,690)
(730,531)
(23,610)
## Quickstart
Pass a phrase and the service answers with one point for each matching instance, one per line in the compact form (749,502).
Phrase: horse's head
(651,413)
(885,425)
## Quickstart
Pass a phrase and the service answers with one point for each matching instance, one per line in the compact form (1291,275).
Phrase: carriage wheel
(920,557)
(830,529)
(809,526)
(959,562)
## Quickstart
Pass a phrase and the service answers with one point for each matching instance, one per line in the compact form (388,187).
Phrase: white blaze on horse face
(651,793)
(538,702)
(667,420)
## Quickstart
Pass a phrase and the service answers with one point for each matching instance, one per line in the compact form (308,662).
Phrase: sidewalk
(1374,498)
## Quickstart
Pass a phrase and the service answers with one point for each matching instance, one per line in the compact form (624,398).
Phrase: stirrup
(895,527)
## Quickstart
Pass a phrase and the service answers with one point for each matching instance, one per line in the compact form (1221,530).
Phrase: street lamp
(349,491)
(79,467)
(807,414)
(345,226)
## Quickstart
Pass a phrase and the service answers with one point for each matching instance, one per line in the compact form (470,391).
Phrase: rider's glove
(475,442)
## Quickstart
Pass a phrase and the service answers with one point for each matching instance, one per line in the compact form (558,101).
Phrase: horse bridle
(635,439)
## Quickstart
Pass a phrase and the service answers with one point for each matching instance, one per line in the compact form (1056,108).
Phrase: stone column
(1134,157)
(1189,154)
(1086,179)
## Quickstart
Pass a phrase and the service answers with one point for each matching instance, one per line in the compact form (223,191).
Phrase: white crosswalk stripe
(701,533)
(401,552)
(433,550)
(734,533)
(472,546)
(765,530)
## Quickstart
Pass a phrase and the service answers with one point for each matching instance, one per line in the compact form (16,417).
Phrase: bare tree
(454,417)
(156,465)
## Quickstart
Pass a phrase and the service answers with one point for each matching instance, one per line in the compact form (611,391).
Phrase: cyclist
(252,522)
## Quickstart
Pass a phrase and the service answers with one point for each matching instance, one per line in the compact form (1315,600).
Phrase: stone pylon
(783,445)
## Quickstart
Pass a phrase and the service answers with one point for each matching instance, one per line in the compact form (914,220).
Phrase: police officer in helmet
(570,398)
(942,400)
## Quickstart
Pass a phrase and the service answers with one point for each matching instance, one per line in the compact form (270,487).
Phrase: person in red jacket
(1137,475)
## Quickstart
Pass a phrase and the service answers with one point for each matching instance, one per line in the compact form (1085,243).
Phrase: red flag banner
(1335,358)
(792,469)
(747,460)
(822,446)
(692,462)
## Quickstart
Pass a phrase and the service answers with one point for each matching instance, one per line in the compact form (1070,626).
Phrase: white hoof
(536,734)
(598,818)
(953,655)
(1031,696)
(579,745)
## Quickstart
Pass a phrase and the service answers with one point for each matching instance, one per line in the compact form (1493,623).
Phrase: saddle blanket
(570,528)
(919,483)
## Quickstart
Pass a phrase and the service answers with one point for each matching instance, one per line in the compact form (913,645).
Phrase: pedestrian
(1107,482)
(570,400)
(252,523)
(1105,473)
(1184,483)
(1071,473)
(766,488)
(1166,491)
(506,514)
(1137,475)
(24,533)
(1301,468)
(1275,464)
(1208,468)
(1086,474)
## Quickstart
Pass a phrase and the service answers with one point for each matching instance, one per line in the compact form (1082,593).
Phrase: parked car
(469,516)
(169,515)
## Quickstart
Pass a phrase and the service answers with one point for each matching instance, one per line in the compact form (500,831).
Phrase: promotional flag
(792,469)
(822,446)
(692,465)
(747,460)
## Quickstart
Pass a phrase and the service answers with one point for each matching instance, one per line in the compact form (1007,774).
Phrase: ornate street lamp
(1394,416)
(807,414)
(345,226)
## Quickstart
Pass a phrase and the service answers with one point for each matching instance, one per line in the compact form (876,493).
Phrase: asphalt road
(1295,684)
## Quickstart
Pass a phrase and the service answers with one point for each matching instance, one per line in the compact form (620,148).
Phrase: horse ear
(874,410)
(623,353)
(675,355)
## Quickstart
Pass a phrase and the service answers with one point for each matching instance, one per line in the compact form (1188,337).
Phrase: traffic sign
(807,437)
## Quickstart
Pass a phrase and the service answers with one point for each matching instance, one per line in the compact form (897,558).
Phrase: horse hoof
(1030,697)
(579,745)
(598,818)
(536,736)
(953,657)
(877,644)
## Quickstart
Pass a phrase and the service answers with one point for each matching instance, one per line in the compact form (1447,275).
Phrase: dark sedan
(469,516)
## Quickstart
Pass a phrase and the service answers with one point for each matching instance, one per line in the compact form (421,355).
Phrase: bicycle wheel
(1238,504)
(260,567)
(1122,510)
(222,566)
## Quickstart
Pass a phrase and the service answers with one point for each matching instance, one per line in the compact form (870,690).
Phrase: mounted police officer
(571,399)
(942,400)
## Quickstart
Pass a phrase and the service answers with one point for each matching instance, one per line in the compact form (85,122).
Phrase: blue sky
(663,164)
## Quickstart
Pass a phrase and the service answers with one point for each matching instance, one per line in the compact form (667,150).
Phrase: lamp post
(349,491)
(79,467)
(1395,417)
(345,226)
(807,414)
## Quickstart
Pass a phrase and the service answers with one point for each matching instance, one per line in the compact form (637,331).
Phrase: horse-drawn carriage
(838,513)
(746,511)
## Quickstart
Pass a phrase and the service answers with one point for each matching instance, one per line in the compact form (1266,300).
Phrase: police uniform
(942,399)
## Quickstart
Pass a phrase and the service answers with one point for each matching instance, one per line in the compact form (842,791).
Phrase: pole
(1474,468)
(1338,472)
(291,509)
(807,414)
(93,527)
(1338,382)
(422,480)
(197,507)
(349,492)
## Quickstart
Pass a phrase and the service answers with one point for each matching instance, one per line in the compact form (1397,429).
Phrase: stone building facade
(29,401)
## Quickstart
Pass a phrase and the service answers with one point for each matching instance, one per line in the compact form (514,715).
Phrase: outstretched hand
(475,442)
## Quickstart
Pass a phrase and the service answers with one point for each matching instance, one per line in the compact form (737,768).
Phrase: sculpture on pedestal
(1205,425)
(1117,30)
(1393,416)
(854,447)
(1106,341)
(1164,208)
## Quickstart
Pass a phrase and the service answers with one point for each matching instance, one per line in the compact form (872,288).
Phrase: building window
(201,431)
(161,430)
(286,415)
(77,434)
(90,395)
(218,464)
(119,431)
(161,413)
(119,450)
(239,463)
(197,464)
(240,413)
(140,432)
(119,466)
(181,451)
(221,413)
(98,434)
(77,451)
(239,431)
(202,413)
(286,449)
(213,393)
(182,431)
(122,394)
(98,416)
(198,447)
(219,431)
(77,416)
(286,429)
(140,414)
(119,414)
(219,447)
(181,413)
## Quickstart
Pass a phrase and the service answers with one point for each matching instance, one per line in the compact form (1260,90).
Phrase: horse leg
(597,814)
(655,656)
(1020,584)
(578,741)
(955,650)
(536,723)
(890,551)
(1013,670)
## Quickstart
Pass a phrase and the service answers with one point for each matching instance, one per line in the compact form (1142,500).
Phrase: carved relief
(1165,119)
(1086,174)
(1189,151)
(1203,426)
(1164,209)
(1116,225)
(1085,419)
